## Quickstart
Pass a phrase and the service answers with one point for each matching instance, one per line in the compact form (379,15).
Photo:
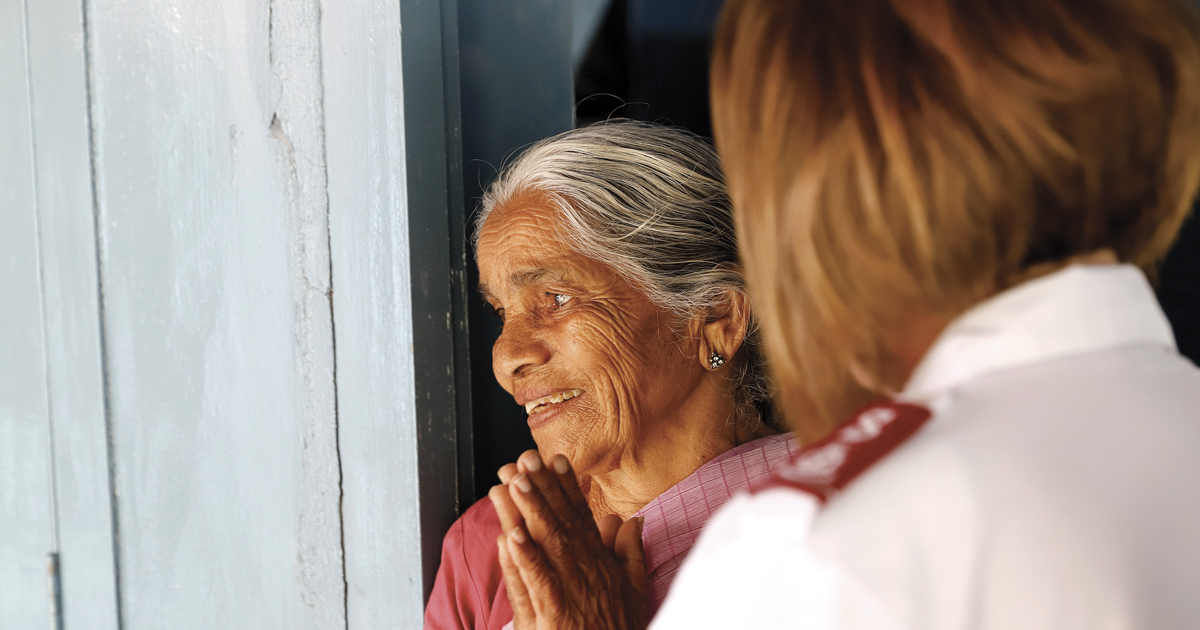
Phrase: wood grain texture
(391,148)
(369,234)
(210,174)
(74,358)
(26,497)
(188,218)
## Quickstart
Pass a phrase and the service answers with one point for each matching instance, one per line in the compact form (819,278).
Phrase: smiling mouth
(544,402)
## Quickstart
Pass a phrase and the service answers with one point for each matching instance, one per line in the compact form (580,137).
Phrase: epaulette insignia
(827,466)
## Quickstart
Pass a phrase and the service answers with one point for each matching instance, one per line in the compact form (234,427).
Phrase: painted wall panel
(392,134)
(26,502)
(429,52)
(369,240)
(67,227)
(210,177)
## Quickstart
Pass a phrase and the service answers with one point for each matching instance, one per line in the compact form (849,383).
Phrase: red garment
(824,468)
(469,590)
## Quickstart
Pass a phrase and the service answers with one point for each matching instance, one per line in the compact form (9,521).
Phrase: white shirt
(1056,486)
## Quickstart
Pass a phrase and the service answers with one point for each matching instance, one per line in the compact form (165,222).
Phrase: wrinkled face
(596,364)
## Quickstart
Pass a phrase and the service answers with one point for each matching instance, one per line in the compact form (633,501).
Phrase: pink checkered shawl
(674,519)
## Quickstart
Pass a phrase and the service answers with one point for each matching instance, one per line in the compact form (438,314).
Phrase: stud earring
(715,360)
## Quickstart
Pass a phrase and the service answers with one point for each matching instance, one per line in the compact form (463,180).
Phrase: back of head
(892,156)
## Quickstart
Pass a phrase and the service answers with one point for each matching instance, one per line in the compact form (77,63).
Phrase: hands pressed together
(561,568)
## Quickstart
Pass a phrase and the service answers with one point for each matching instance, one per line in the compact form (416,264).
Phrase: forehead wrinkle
(529,277)
(526,278)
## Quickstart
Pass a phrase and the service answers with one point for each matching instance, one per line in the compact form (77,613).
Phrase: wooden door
(232,321)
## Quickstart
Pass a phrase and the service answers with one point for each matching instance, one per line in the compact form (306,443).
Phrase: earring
(715,360)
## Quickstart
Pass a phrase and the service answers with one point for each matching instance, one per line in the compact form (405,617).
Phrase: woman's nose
(518,349)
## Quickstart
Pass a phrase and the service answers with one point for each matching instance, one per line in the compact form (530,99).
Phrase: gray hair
(650,202)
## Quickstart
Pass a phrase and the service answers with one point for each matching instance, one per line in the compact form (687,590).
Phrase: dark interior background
(642,59)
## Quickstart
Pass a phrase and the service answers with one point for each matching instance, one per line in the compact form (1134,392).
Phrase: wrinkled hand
(561,568)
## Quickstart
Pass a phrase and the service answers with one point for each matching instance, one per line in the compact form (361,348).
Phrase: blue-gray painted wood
(188,320)
(429,51)
(390,81)
(75,376)
(26,497)
(210,178)
(460,286)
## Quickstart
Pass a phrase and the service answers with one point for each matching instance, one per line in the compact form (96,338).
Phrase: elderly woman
(950,207)
(608,253)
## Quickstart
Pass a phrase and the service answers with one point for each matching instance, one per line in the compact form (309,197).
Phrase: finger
(571,515)
(518,595)
(547,531)
(523,461)
(540,521)
(569,482)
(507,472)
(509,515)
(631,554)
(539,580)
(609,525)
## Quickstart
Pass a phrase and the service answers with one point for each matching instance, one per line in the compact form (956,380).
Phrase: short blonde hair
(887,157)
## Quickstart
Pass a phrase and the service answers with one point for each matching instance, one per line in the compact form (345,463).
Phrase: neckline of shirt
(1078,309)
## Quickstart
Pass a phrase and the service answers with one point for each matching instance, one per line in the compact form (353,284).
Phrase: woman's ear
(722,333)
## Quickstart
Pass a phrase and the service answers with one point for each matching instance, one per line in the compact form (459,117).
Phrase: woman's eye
(560,299)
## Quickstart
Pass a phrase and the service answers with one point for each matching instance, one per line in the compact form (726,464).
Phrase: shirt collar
(1078,309)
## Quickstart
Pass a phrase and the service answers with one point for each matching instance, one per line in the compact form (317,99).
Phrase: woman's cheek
(588,434)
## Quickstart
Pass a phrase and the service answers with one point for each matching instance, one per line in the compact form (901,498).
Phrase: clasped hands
(562,569)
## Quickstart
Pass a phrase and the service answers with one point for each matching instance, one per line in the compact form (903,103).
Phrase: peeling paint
(211,154)
(297,126)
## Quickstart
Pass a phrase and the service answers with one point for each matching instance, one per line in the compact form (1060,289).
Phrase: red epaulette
(827,466)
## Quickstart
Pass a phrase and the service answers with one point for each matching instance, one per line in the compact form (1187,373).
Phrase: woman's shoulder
(482,511)
(473,536)
(466,593)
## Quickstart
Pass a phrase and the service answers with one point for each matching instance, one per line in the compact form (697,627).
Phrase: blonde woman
(949,208)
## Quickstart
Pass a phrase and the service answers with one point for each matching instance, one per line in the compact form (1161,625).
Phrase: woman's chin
(569,428)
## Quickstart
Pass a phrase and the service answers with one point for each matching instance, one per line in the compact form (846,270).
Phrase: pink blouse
(469,591)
